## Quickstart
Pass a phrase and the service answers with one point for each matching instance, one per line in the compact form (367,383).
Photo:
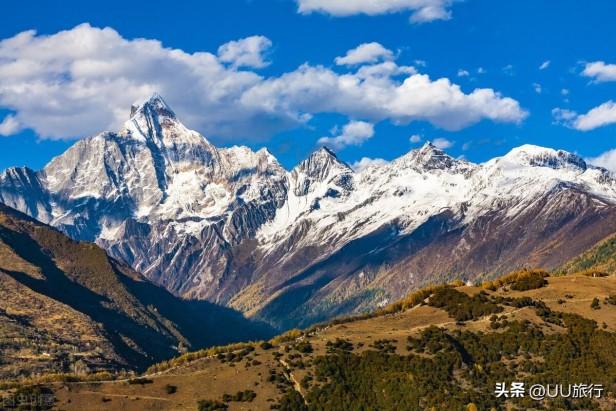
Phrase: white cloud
(417,97)
(544,65)
(508,70)
(564,92)
(600,71)
(366,162)
(9,126)
(537,87)
(463,73)
(365,53)
(481,70)
(247,52)
(420,63)
(353,134)
(421,10)
(385,69)
(597,117)
(415,138)
(600,116)
(563,116)
(606,160)
(442,143)
(81,81)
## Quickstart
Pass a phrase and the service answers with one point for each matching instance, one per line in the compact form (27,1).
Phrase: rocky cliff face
(232,226)
(157,196)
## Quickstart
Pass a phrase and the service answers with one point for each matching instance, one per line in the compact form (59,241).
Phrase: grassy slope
(601,258)
(210,377)
(65,301)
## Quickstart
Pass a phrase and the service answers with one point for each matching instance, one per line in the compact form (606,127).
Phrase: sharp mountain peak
(155,103)
(321,163)
(429,157)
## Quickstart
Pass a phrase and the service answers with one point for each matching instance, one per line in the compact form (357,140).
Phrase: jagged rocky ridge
(234,227)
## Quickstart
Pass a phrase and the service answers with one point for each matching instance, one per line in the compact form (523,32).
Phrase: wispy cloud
(10,126)
(422,11)
(442,143)
(366,162)
(606,160)
(415,138)
(600,116)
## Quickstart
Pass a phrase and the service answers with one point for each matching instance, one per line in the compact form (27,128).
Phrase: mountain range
(233,227)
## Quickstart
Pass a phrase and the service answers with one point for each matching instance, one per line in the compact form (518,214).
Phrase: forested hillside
(441,348)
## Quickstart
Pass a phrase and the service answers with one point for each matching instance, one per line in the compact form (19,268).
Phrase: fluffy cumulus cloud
(81,81)
(421,10)
(415,138)
(378,97)
(247,52)
(600,72)
(606,160)
(366,162)
(365,53)
(600,116)
(353,134)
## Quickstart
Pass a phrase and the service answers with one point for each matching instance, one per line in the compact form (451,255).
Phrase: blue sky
(477,44)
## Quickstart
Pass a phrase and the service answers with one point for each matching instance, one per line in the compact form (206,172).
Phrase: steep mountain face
(232,226)
(427,217)
(65,306)
(158,196)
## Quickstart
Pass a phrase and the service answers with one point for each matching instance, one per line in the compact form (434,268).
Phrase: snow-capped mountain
(232,226)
